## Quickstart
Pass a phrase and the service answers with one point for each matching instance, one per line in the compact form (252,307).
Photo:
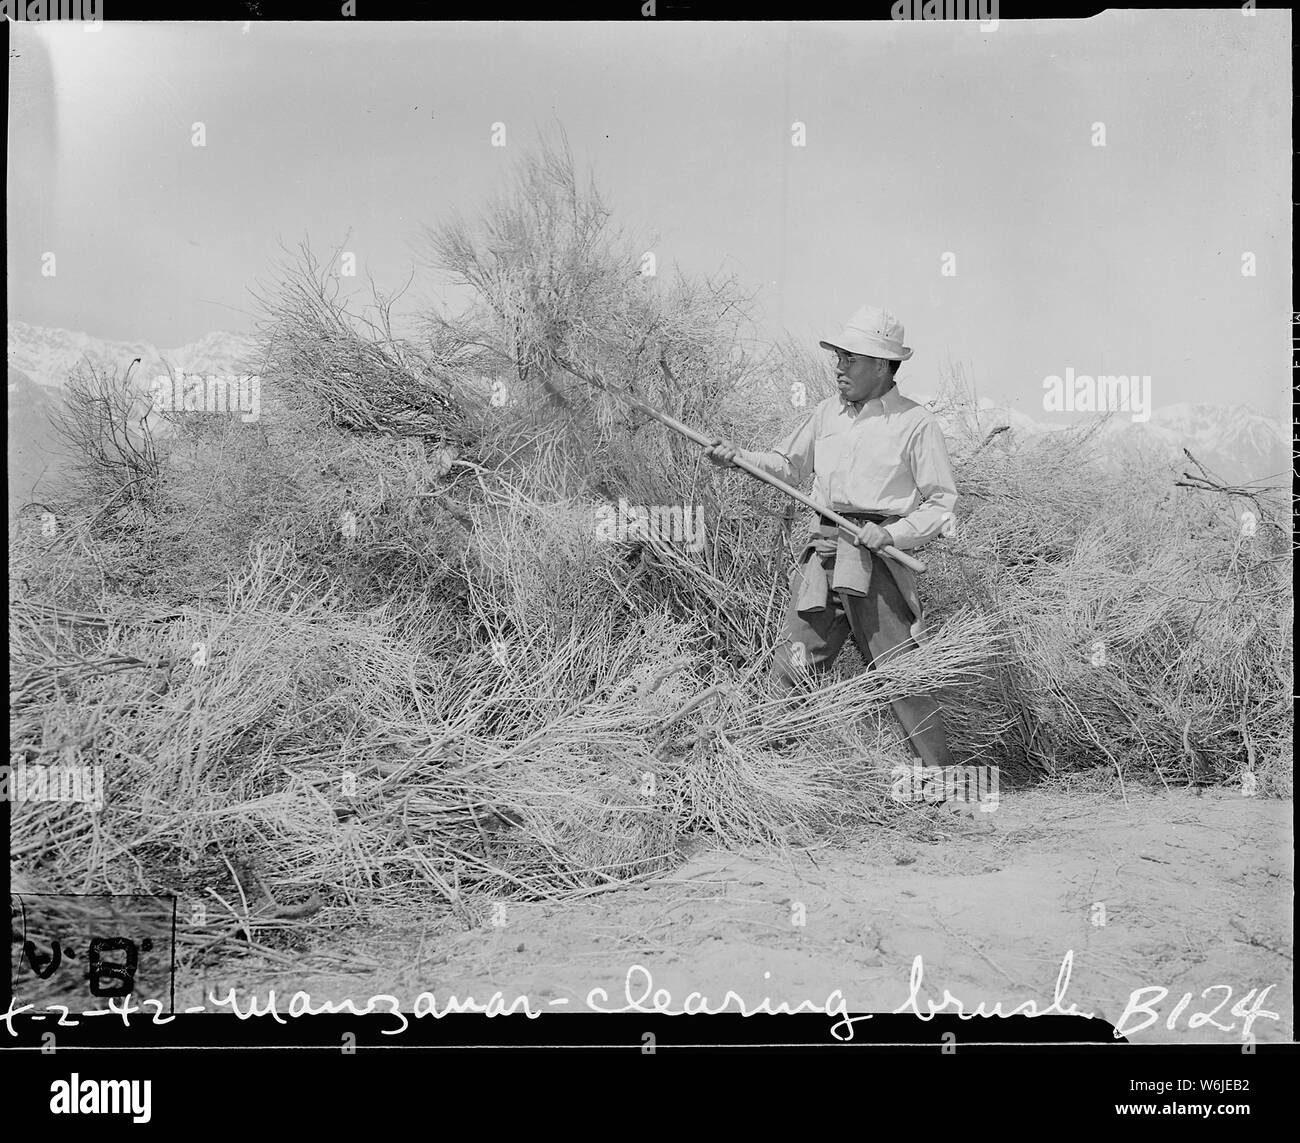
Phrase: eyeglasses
(848,358)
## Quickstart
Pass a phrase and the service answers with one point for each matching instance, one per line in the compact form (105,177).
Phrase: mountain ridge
(1236,441)
(41,359)
(48,354)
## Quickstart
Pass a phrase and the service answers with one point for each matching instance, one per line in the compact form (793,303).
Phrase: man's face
(861,378)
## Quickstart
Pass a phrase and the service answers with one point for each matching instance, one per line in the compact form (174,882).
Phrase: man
(880,460)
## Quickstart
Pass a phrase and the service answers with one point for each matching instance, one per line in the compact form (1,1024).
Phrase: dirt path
(1196,892)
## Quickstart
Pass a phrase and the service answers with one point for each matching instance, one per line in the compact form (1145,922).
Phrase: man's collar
(885,400)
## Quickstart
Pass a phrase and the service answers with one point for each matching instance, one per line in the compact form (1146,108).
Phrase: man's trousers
(880,622)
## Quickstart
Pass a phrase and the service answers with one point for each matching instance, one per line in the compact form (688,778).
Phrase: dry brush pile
(374,651)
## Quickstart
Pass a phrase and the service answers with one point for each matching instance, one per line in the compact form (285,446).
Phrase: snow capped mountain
(30,437)
(231,353)
(1236,442)
(47,356)
(40,361)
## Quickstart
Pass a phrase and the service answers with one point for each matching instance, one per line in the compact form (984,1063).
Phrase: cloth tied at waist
(831,561)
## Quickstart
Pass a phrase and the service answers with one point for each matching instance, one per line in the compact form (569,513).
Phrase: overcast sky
(921,139)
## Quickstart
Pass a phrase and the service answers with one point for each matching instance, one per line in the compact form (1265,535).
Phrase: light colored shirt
(886,456)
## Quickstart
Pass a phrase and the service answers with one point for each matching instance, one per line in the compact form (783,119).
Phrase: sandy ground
(1196,892)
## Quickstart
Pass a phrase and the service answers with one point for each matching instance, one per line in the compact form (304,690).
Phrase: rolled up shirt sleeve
(927,454)
(792,457)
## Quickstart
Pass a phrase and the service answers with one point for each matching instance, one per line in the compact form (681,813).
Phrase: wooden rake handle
(847,526)
(850,529)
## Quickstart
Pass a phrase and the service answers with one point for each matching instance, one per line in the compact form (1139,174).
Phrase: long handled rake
(847,527)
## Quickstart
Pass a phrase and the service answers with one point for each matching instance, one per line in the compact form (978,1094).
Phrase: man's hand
(874,536)
(722,453)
